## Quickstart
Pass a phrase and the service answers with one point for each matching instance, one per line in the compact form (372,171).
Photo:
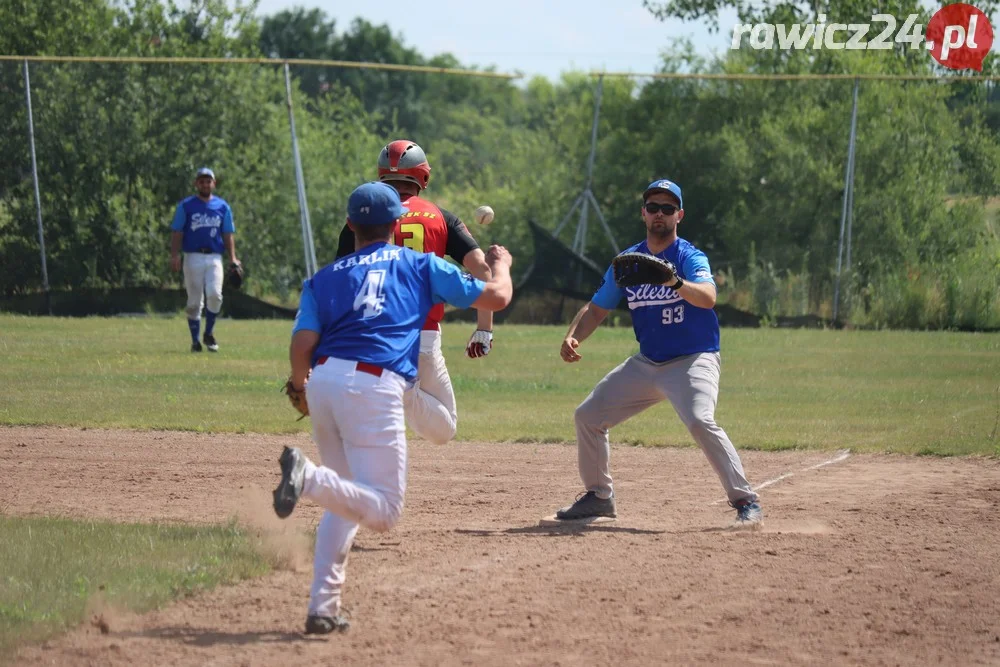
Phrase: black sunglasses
(668,209)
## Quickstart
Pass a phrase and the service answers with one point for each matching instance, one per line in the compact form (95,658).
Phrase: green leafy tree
(301,33)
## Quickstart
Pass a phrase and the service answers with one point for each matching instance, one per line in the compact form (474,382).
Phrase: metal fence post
(848,266)
(585,200)
(847,200)
(300,188)
(38,196)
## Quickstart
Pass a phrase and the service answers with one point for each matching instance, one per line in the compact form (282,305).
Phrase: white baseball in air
(484,215)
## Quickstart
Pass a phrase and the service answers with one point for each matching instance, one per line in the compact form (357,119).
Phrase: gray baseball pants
(691,384)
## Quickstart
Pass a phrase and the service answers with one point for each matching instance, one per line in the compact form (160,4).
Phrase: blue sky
(537,37)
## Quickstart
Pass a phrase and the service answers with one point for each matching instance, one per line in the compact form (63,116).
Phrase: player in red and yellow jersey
(431,410)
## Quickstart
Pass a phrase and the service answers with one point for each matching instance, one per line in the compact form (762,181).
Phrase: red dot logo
(959,36)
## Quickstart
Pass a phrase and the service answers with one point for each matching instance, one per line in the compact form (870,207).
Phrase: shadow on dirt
(556,531)
(195,637)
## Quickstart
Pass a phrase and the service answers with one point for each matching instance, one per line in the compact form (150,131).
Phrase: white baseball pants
(431,410)
(203,280)
(359,428)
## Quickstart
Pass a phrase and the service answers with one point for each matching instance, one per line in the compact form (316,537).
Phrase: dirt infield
(870,560)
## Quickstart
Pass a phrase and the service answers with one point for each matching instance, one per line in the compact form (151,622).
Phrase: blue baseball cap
(664,185)
(374,203)
(205,171)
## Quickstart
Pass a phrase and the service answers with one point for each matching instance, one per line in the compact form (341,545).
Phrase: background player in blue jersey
(355,348)
(678,360)
(203,229)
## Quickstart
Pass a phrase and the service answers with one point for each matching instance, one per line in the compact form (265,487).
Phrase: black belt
(208,251)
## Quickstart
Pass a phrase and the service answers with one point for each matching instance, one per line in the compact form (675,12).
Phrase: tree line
(761,162)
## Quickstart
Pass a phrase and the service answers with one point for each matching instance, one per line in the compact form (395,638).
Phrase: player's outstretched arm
(585,323)
(499,290)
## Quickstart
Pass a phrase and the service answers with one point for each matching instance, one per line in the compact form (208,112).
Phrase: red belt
(371,369)
(431,326)
(362,366)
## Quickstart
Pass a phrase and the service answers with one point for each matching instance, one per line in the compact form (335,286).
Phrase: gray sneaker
(748,513)
(588,506)
(324,625)
(293,468)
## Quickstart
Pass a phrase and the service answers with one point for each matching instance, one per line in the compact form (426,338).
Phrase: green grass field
(915,392)
(55,572)
(926,393)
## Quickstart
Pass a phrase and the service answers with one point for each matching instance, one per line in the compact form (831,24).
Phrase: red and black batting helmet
(403,160)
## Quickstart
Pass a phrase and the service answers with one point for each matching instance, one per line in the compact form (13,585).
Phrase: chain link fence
(906,236)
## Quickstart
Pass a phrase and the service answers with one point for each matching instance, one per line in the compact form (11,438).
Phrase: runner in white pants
(357,341)
(678,361)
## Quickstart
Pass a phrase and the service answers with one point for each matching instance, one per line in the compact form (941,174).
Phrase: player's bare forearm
(702,295)
(176,239)
(300,354)
(499,289)
(475,263)
(586,322)
(498,292)
(230,244)
(484,320)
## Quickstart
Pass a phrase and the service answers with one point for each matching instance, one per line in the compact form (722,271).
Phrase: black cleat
(324,625)
(210,343)
(293,467)
(196,346)
(588,506)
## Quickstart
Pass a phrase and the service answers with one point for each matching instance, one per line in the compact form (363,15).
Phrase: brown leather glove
(297,397)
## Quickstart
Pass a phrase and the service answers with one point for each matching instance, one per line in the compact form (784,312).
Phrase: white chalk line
(838,457)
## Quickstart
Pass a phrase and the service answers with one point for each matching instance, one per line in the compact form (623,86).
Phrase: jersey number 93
(673,314)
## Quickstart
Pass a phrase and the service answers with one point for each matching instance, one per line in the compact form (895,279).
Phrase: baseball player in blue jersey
(203,229)
(678,360)
(355,348)
(431,408)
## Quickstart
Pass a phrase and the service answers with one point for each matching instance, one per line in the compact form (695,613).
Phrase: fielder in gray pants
(678,360)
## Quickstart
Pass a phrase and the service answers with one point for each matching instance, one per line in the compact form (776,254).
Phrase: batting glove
(480,344)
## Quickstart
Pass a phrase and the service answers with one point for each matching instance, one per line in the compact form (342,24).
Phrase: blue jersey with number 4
(203,223)
(369,306)
(666,325)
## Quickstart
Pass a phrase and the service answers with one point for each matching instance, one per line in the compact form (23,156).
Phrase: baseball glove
(638,268)
(297,398)
(235,275)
